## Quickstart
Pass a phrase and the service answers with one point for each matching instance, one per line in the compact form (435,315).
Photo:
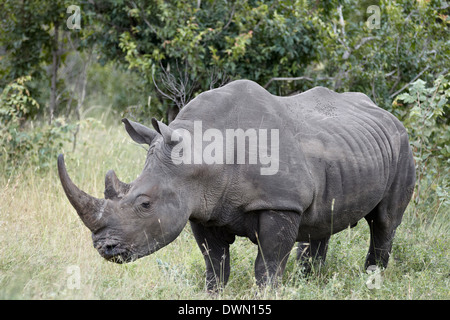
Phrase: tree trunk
(81,96)
(55,65)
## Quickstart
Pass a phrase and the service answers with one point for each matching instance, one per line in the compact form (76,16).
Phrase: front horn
(90,209)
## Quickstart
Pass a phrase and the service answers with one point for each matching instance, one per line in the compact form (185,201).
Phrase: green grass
(42,242)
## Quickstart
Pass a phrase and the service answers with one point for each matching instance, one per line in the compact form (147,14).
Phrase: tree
(286,46)
(36,37)
(410,43)
(240,39)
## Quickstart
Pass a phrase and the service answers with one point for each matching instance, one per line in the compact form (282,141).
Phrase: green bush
(424,112)
(21,142)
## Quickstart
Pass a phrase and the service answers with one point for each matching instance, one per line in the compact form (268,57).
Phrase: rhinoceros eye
(145,204)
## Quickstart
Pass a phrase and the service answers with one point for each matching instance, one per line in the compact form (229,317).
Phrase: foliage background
(65,91)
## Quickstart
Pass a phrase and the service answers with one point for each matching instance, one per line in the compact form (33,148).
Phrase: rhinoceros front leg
(312,253)
(214,242)
(276,235)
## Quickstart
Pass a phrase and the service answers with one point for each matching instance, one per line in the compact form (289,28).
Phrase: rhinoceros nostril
(109,248)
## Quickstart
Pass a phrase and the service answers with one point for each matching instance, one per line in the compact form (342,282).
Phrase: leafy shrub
(22,142)
(426,118)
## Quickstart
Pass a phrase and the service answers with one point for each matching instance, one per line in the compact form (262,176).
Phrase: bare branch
(341,20)
(398,78)
(363,41)
(442,72)
(216,77)
(229,20)
(143,17)
(373,91)
(179,87)
(342,36)
(406,85)
(342,40)
(231,17)
(295,78)
(390,73)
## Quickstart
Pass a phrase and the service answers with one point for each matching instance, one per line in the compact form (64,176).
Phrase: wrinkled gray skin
(342,159)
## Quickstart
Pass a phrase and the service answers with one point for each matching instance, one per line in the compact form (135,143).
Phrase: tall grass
(44,246)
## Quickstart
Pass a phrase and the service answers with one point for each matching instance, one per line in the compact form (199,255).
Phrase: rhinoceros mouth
(114,252)
(121,258)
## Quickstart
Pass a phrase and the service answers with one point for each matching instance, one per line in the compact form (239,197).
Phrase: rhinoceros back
(337,150)
(352,148)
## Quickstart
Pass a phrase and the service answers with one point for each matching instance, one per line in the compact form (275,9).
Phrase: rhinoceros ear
(170,136)
(139,133)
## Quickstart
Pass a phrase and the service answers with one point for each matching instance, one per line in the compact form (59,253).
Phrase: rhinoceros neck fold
(87,207)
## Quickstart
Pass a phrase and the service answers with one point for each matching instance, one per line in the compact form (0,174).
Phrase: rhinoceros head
(134,219)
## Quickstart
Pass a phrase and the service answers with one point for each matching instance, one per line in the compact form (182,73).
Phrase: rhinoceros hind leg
(384,219)
(382,233)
